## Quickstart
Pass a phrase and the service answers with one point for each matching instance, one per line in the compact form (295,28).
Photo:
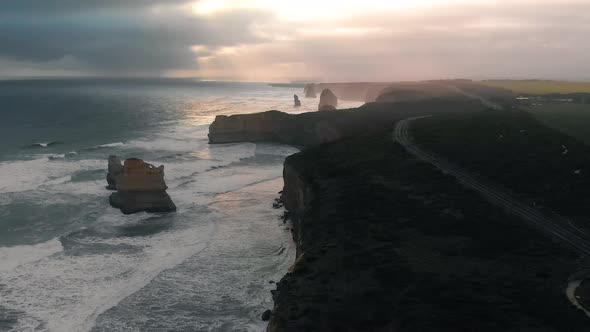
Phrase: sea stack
(328,101)
(309,91)
(297,101)
(140,187)
(115,169)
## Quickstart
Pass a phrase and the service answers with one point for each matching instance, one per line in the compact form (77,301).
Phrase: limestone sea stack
(115,169)
(140,187)
(309,91)
(297,101)
(328,101)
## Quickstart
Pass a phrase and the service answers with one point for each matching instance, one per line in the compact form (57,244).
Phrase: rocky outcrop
(310,91)
(328,101)
(258,127)
(140,187)
(297,101)
(115,170)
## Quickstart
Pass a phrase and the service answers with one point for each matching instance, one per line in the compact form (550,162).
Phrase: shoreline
(387,242)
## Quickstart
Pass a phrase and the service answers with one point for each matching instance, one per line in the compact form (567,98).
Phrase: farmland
(539,87)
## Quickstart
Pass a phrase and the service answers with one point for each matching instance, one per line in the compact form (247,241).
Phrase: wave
(63,156)
(13,257)
(103,146)
(43,144)
(25,175)
(95,273)
(110,145)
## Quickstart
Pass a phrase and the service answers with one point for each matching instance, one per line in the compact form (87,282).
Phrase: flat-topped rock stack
(140,187)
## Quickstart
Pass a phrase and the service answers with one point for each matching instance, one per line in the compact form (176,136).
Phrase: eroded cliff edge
(387,243)
(314,128)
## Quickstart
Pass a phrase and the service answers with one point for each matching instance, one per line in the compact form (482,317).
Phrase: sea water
(70,262)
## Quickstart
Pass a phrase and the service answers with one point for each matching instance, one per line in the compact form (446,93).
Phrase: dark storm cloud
(28,7)
(116,37)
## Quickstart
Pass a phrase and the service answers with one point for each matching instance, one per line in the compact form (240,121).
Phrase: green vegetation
(389,243)
(571,119)
(538,87)
(515,150)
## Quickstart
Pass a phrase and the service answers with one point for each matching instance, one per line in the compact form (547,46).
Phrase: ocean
(70,262)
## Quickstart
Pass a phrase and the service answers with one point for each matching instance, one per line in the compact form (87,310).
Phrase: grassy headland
(388,243)
(571,119)
(540,87)
(515,150)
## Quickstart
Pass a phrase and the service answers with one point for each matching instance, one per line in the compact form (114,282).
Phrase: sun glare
(307,10)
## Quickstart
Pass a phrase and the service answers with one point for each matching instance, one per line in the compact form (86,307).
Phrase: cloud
(496,39)
(61,7)
(123,37)
(459,38)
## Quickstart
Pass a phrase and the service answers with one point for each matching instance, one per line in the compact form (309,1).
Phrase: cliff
(387,243)
(310,129)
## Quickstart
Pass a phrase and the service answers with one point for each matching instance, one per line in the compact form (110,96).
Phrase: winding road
(549,223)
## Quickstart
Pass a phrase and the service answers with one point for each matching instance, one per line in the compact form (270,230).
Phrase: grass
(535,87)
(571,119)
(517,151)
(392,244)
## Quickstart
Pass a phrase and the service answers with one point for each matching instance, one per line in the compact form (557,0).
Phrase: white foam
(12,257)
(67,293)
(570,293)
(110,145)
(44,144)
(168,144)
(25,175)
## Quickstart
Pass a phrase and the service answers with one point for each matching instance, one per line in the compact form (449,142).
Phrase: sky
(284,40)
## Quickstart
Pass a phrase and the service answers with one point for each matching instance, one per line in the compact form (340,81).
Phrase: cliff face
(265,126)
(310,129)
(387,243)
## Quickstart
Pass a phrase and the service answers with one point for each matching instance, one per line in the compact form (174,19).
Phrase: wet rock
(328,101)
(140,187)
(297,101)
(266,315)
(115,170)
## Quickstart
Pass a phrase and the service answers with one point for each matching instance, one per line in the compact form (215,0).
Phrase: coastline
(386,242)
(370,256)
